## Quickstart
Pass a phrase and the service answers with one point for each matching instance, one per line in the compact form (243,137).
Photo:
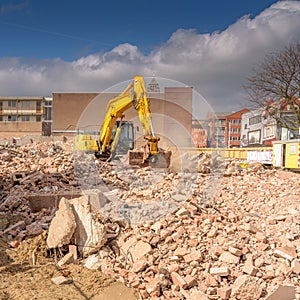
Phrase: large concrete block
(62,226)
(89,234)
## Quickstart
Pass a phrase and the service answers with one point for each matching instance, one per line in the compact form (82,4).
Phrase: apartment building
(21,115)
(224,129)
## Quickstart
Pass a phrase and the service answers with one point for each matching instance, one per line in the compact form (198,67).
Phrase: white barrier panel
(264,157)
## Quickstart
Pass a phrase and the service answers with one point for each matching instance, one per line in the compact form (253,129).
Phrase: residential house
(225,128)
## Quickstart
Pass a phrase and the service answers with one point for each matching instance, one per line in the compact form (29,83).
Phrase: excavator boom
(134,95)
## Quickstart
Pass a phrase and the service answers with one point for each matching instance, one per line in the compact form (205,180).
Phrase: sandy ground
(20,279)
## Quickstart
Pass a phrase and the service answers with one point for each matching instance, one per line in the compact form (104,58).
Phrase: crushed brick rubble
(241,243)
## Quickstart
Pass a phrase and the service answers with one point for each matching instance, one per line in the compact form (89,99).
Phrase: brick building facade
(171,114)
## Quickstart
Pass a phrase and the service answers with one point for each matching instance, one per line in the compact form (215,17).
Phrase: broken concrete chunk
(139,266)
(96,198)
(250,269)
(89,234)
(178,280)
(193,256)
(246,287)
(134,249)
(286,252)
(62,226)
(139,250)
(93,262)
(180,251)
(286,292)
(224,293)
(228,257)
(296,266)
(67,259)
(128,245)
(61,280)
(196,295)
(235,251)
(190,281)
(222,271)
(73,250)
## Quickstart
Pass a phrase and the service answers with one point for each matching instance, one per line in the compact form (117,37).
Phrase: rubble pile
(213,230)
(244,245)
(31,171)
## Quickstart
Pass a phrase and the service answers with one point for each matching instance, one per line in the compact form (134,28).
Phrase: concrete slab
(39,201)
(286,292)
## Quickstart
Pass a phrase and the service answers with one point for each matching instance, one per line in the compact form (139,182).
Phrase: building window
(38,105)
(254,137)
(255,120)
(48,113)
(269,131)
(245,127)
(25,118)
(1,118)
(219,130)
(38,118)
(11,118)
(236,121)
(25,103)
(48,103)
(220,122)
(12,103)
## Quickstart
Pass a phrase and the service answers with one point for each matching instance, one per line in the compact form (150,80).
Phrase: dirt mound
(21,279)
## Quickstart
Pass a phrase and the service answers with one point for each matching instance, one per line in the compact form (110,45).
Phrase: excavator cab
(124,142)
(126,138)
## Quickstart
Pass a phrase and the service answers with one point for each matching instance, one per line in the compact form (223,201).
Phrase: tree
(275,86)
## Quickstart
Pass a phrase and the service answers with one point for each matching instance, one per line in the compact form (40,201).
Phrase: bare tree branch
(275,86)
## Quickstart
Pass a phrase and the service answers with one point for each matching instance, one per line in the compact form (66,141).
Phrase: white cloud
(215,64)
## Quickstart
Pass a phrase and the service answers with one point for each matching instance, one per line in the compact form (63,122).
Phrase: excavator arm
(134,95)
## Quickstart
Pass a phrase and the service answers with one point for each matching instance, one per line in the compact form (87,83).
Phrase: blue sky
(89,46)
(69,30)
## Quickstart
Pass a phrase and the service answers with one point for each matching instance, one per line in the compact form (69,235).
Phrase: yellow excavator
(150,154)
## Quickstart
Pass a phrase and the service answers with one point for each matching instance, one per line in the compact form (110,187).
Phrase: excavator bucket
(160,160)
